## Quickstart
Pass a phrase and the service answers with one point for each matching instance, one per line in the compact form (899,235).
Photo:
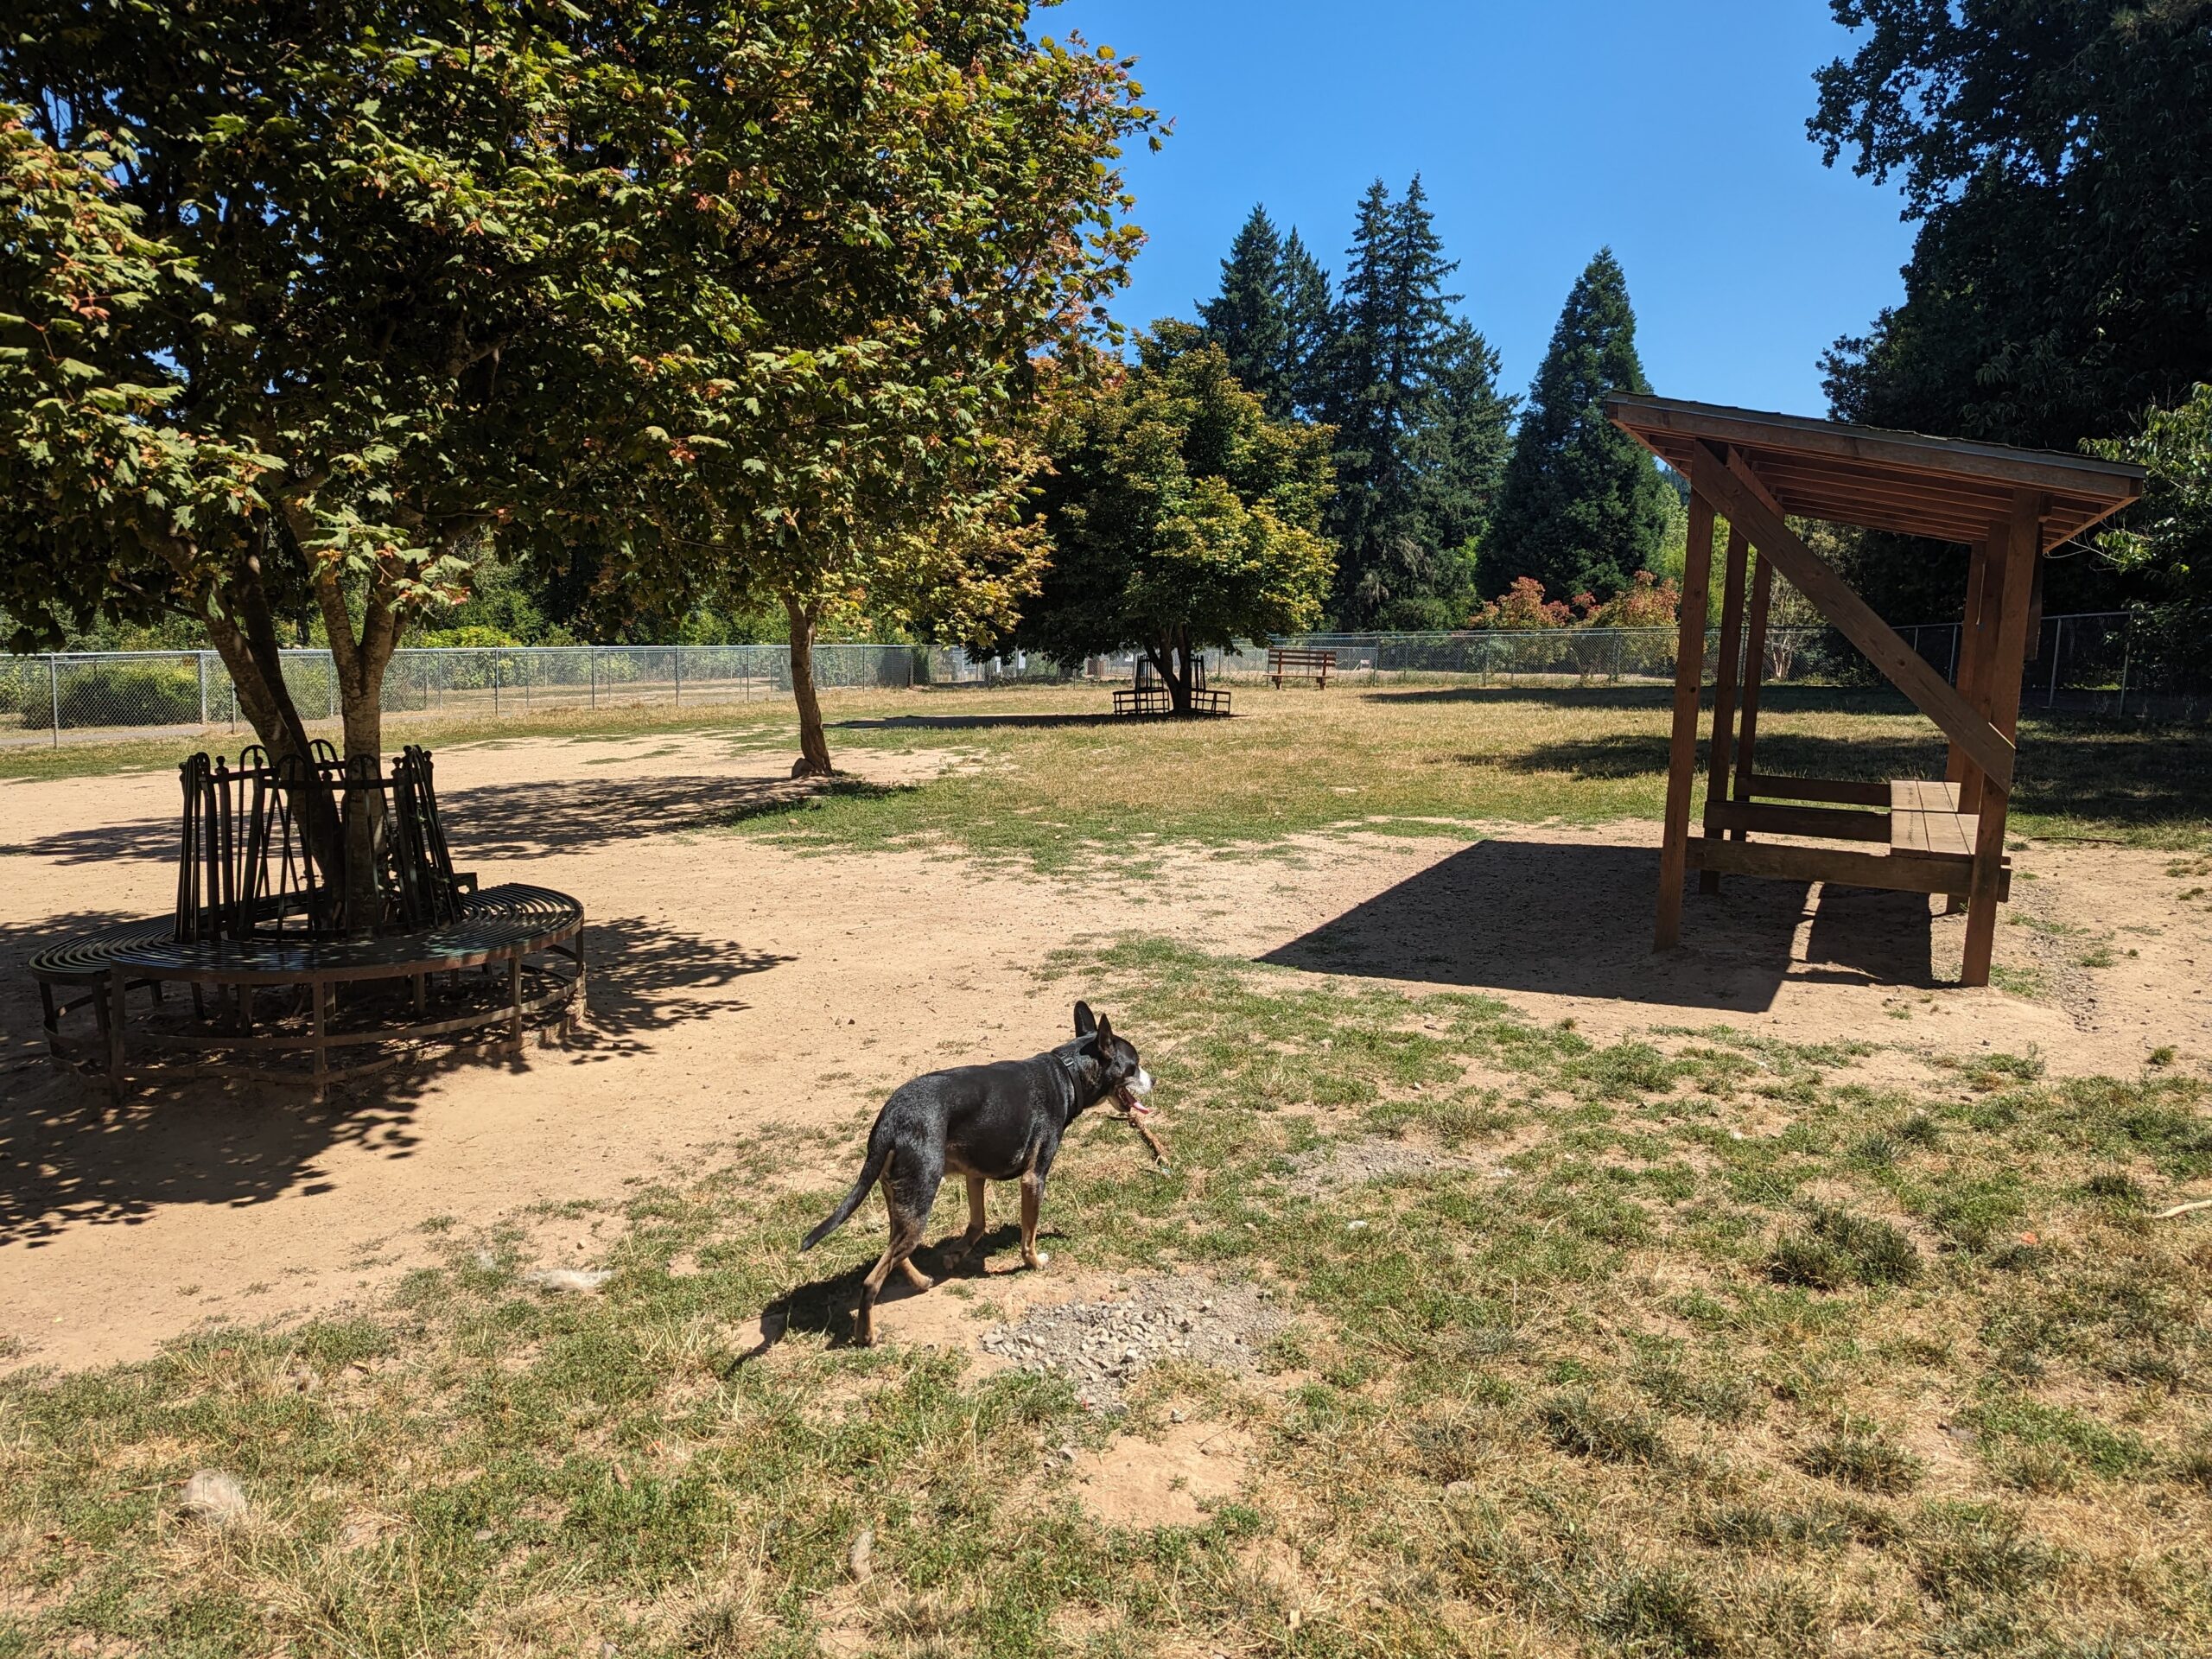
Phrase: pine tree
(1581,509)
(1246,319)
(1393,322)
(1470,434)
(1309,335)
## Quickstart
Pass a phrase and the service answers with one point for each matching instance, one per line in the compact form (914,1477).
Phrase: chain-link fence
(2081,661)
(77,695)
(2077,662)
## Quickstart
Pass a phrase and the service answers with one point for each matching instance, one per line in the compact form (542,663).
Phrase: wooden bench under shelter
(1147,693)
(2008,506)
(1300,662)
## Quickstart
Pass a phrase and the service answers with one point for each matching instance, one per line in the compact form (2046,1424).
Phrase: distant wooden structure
(2009,506)
(1147,694)
(1299,663)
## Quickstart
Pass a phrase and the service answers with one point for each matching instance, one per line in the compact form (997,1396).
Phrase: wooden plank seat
(1300,662)
(1931,842)
(1924,817)
(534,933)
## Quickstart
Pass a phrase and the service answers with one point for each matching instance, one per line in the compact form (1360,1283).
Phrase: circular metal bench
(536,934)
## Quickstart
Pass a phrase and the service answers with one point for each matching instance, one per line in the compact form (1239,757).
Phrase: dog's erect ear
(1085,1024)
(1105,1036)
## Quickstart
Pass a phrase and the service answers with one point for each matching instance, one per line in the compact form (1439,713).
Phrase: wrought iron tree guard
(280,976)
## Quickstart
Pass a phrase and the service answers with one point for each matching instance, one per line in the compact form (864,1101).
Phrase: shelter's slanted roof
(1948,489)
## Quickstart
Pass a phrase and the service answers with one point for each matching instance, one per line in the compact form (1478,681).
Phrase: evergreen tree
(1470,434)
(1581,509)
(1394,321)
(1246,320)
(1309,335)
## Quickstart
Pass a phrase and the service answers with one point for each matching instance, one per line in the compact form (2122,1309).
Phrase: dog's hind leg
(969,1239)
(910,1211)
(1033,1206)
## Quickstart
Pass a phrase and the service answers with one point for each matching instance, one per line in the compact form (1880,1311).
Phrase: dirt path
(738,988)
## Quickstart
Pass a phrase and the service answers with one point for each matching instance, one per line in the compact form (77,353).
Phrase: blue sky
(1542,129)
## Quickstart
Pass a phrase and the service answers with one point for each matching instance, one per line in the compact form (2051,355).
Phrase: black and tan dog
(997,1123)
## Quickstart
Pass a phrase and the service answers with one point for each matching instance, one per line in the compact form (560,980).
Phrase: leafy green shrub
(1836,1249)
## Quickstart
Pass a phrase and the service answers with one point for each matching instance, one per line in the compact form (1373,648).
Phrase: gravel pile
(1100,1347)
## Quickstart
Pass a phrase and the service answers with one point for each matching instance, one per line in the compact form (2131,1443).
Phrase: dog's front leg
(1032,1204)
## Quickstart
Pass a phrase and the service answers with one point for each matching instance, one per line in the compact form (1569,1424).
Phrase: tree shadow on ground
(1619,755)
(504,820)
(2098,773)
(70,1156)
(977,722)
(1570,920)
(1777,699)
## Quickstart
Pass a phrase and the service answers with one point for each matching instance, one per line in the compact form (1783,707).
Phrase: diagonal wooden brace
(1733,488)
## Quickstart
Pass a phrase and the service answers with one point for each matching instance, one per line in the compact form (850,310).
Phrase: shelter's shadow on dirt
(1568,919)
(1861,933)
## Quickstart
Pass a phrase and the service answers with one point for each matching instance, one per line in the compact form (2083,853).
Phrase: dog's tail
(878,1157)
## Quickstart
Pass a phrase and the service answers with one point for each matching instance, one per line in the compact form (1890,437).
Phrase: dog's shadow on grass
(825,1306)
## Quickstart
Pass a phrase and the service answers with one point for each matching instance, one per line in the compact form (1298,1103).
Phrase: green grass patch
(1546,1386)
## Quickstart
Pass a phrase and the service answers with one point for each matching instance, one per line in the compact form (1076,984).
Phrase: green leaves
(1181,516)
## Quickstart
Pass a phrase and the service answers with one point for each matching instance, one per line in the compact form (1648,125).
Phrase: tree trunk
(813,747)
(244,631)
(1171,660)
(360,664)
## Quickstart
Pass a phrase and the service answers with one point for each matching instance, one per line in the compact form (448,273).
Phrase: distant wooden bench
(1298,662)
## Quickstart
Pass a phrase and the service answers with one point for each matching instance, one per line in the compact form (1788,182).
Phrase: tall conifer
(1309,332)
(1581,509)
(1246,319)
(1393,321)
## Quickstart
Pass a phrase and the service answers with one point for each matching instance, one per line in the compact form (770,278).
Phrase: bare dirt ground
(738,988)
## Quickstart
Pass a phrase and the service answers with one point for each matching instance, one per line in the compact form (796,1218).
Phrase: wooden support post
(1977,626)
(2020,539)
(1754,675)
(1977,637)
(1682,753)
(1718,756)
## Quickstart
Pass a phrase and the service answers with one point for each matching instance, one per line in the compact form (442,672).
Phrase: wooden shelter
(2009,506)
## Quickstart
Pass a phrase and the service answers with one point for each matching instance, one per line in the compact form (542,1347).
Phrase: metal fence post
(592,656)
(2057,639)
(677,652)
(200,658)
(54,695)
(496,676)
